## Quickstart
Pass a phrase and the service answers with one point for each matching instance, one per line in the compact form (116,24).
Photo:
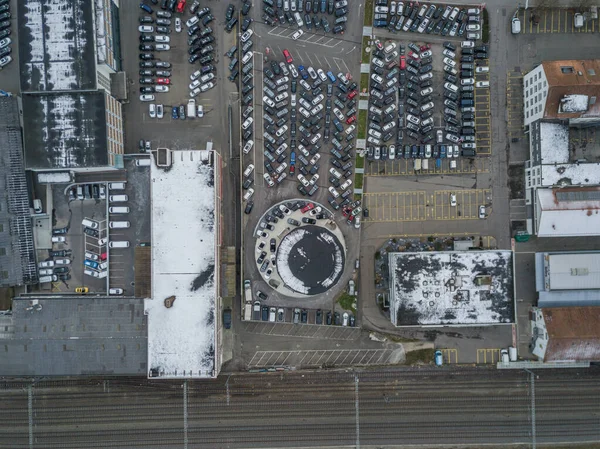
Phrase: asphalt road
(391,407)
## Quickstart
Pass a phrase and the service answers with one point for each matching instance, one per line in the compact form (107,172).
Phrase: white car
(483,69)
(269,180)
(339,114)
(160,88)
(206,86)
(467,44)
(284,209)
(5,61)
(293,70)
(247,123)
(58,239)
(322,75)
(161,38)
(5,42)
(481,211)
(195,92)
(426,54)
(147,97)
(247,35)
(247,57)
(312,73)
(305,85)
(146,29)
(467,81)
(115,291)
(46,264)
(46,271)
(449,62)
(64,261)
(449,53)
(178,25)
(315,159)
(160,111)
(303,180)
(452,200)
(152,110)
(162,47)
(426,91)
(268,101)
(333,192)
(248,146)
(313,181)
(482,84)
(346,184)
(297,34)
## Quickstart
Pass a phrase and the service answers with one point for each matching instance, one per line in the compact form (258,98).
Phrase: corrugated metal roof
(17,254)
(578,271)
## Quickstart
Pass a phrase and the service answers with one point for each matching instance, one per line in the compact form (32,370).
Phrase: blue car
(439,359)
(174,113)
(303,72)
(146,8)
(331,76)
(293,158)
(90,263)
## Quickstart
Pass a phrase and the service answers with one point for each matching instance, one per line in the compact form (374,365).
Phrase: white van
(118,224)
(191,108)
(142,162)
(515,25)
(37,206)
(248,194)
(116,185)
(117,198)
(79,192)
(118,210)
(89,223)
(118,244)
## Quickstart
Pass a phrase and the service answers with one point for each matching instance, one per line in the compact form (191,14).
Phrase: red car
(103,256)
(413,55)
(292,169)
(288,56)
(352,94)
(351,119)
(403,62)
(163,81)
(308,207)
(425,47)
(180,5)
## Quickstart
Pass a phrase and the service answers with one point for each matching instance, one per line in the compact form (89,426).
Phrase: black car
(147,89)
(249,207)
(265,313)
(146,56)
(309,220)
(246,24)
(146,47)
(91,232)
(329,320)
(60,253)
(229,12)
(146,72)
(146,19)
(227,318)
(304,316)
(60,231)
(246,8)
(146,38)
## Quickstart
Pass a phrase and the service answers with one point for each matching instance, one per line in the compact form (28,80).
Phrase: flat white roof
(583,174)
(554,143)
(182,339)
(574,271)
(451,288)
(565,218)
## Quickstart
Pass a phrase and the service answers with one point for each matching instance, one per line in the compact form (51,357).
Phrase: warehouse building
(451,288)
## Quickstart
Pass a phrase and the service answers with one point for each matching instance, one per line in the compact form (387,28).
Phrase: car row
(5,40)
(155,75)
(201,47)
(300,316)
(447,20)
(305,13)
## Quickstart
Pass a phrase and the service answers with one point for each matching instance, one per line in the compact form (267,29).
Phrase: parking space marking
(313,331)
(555,20)
(488,355)
(419,206)
(286,33)
(405,167)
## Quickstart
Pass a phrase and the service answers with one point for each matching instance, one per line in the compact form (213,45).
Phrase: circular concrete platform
(310,260)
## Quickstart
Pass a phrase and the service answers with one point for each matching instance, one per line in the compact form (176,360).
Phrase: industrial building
(451,288)
(17,254)
(69,56)
(184,312)
(566,334)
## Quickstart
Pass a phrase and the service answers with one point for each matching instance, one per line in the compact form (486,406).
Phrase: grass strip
(366,56)
(362,124)
(368,18)
(360,162)
(358,180)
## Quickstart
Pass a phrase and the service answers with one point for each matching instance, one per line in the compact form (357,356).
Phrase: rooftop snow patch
(65,130)
(56,45)
(574,103)
(554,143)
(451,288)
(182,338)
(578,174)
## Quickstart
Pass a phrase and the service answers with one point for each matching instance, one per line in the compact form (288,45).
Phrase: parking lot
(553,20)
(421,205)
